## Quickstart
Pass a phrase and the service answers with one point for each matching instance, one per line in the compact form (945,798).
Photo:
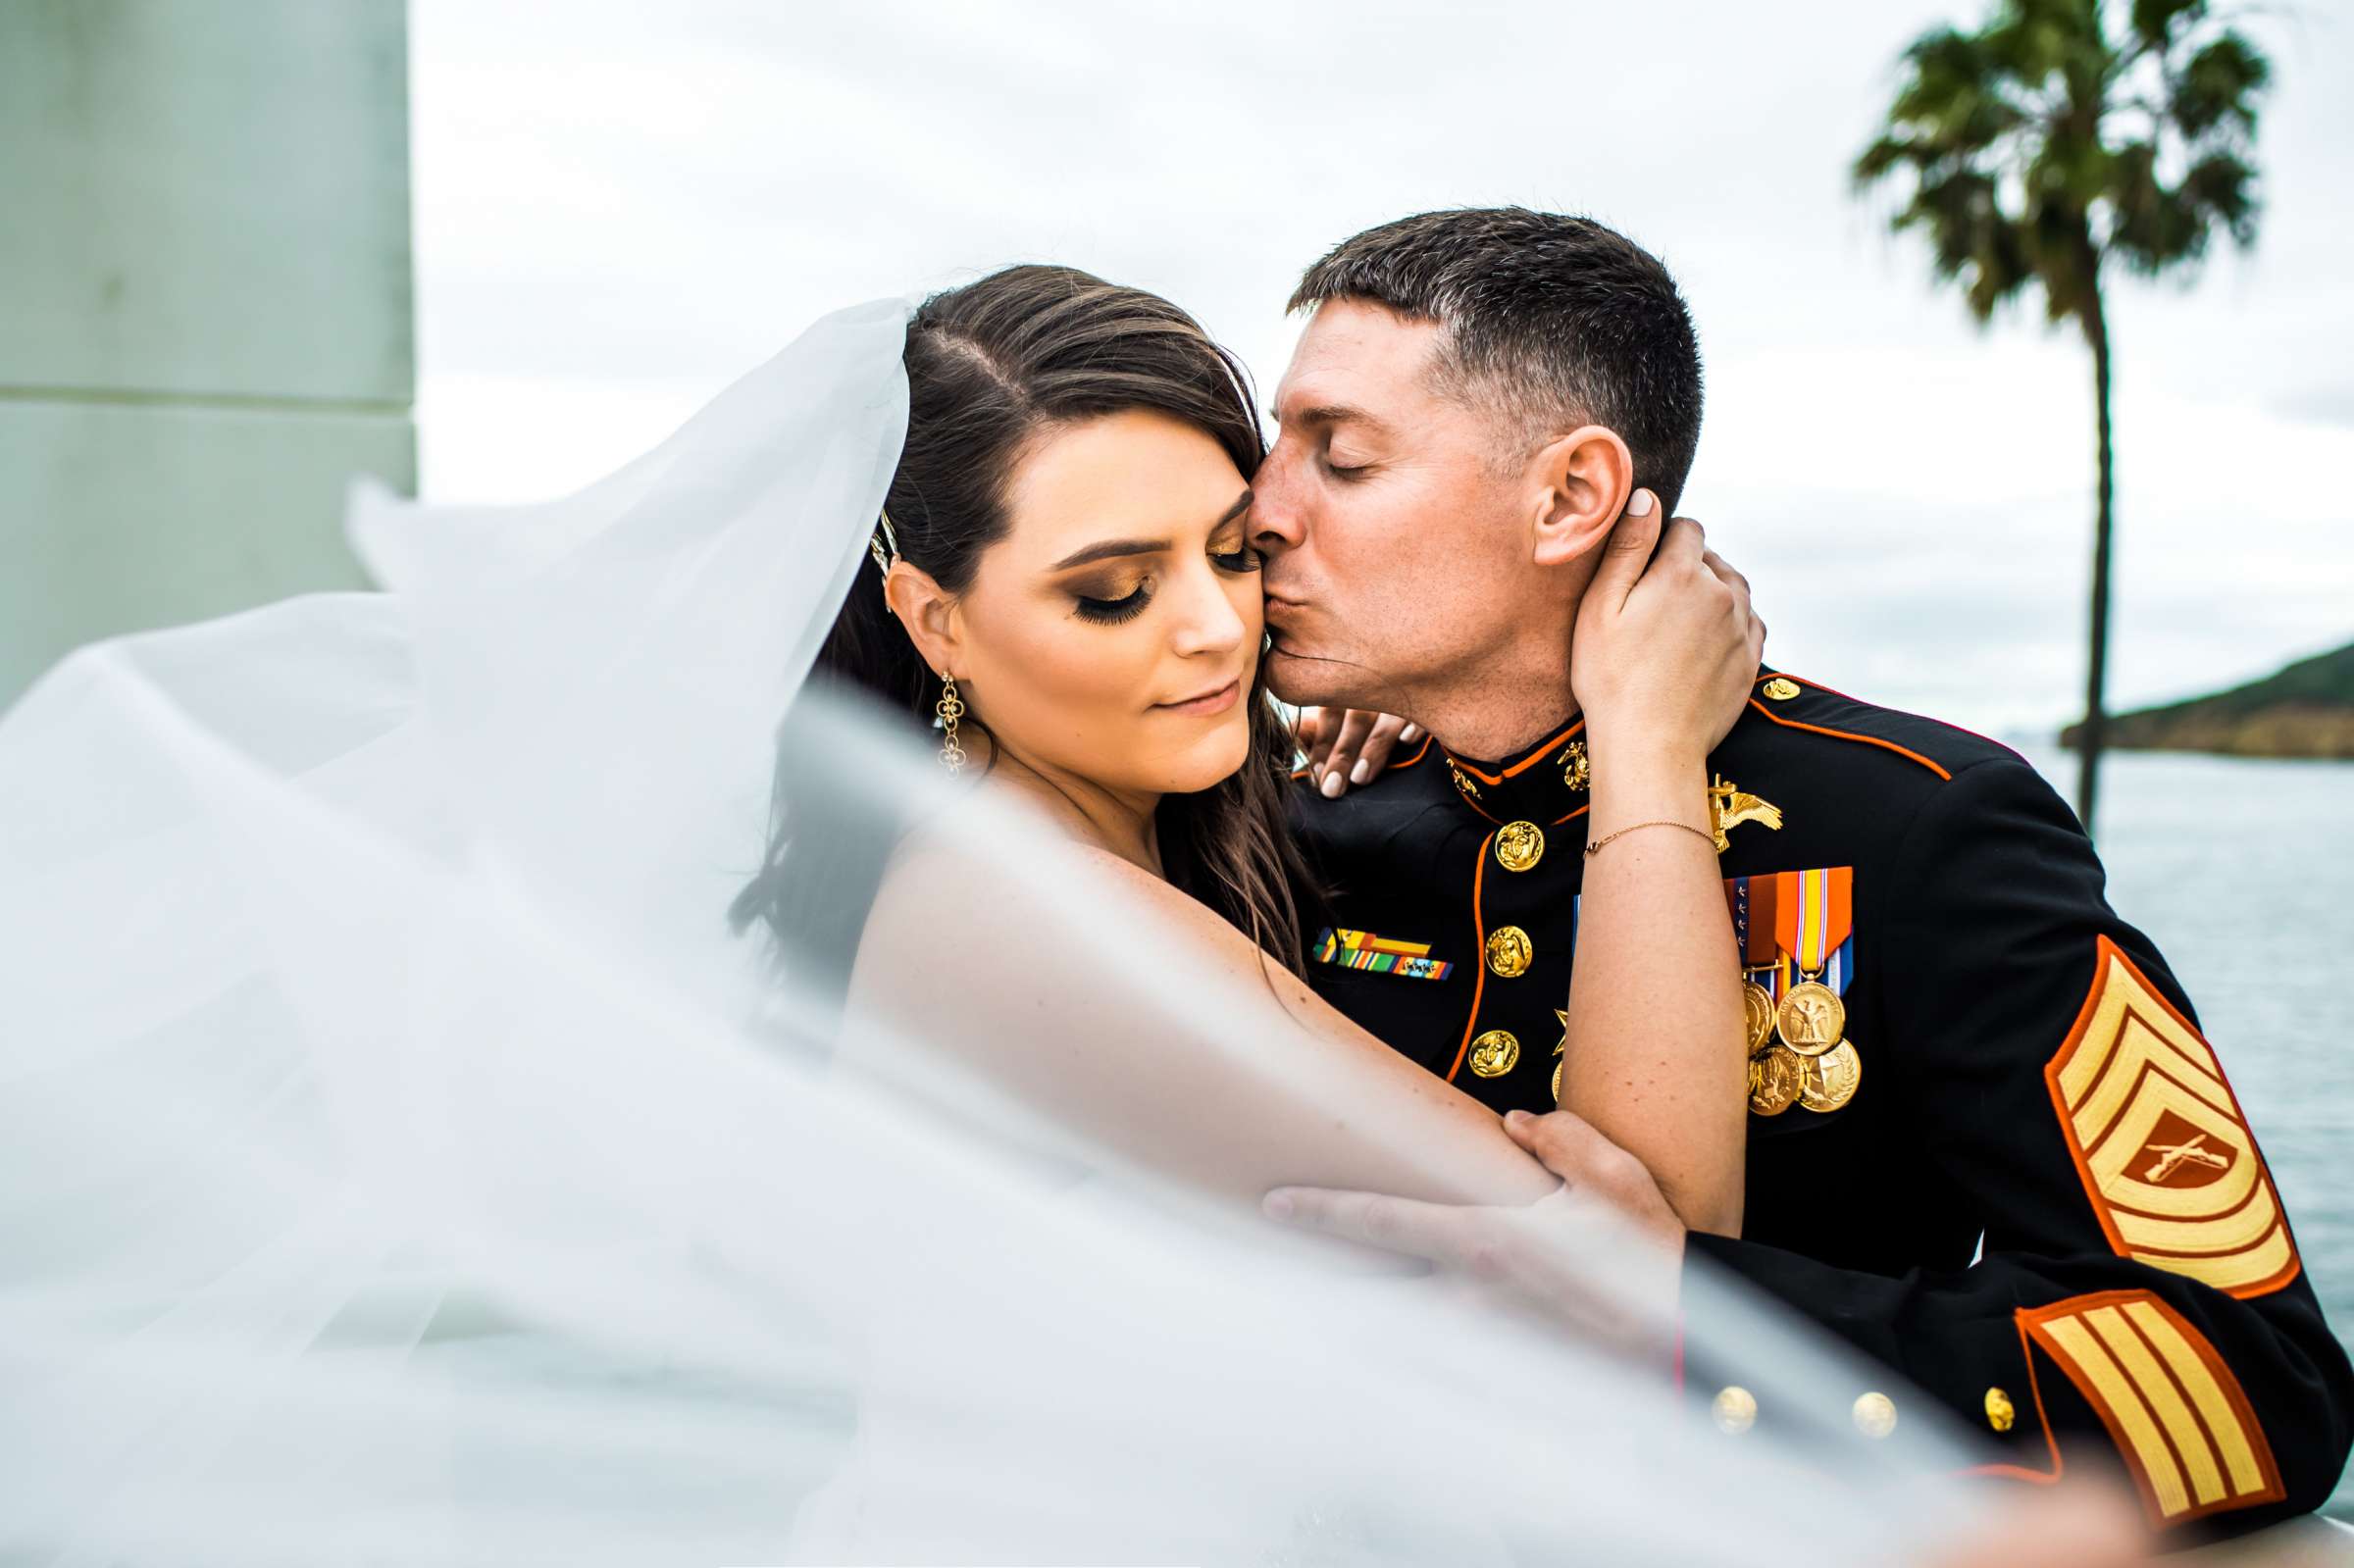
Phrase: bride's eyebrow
(1105,549)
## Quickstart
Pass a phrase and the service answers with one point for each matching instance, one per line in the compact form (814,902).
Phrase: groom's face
(1385,518)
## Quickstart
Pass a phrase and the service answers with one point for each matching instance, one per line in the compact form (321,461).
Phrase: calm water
(2241,874)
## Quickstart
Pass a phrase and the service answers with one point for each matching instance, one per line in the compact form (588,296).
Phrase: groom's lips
(1283,620)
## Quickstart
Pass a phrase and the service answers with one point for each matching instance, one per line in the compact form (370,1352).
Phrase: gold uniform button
(1781,688)
(1519,845)
(1875,1414)
(1510,952)
(1494,1053)
(1999,1413)
(1734,1409)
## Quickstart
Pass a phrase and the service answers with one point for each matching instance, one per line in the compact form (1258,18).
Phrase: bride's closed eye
(1242,558)
(1103,609)
(1111,612)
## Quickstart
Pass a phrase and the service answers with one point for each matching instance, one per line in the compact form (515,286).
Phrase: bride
(405,1163)
(1063,575)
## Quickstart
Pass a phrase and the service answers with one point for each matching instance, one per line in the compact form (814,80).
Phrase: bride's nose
(1207,619)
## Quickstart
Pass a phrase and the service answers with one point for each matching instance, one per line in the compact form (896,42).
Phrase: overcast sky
(623,204)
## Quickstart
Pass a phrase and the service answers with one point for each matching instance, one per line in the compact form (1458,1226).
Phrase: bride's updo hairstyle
(991,366)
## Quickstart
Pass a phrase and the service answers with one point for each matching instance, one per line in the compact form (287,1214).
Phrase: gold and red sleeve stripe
(2177,1414)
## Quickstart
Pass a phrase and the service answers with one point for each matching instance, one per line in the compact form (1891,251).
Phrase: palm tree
(2060,137)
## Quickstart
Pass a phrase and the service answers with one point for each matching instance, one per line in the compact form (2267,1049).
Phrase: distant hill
(2307,710)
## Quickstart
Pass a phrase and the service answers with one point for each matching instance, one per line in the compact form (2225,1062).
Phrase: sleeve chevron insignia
(2177,1414)
(2166,1156)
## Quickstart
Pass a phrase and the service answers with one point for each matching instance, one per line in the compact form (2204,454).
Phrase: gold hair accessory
(883,543)
(1596,847)
(951,708)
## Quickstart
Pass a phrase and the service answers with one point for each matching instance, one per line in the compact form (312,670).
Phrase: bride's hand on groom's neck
(1666,642)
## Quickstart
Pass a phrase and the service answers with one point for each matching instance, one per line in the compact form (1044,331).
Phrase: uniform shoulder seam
(1937,747)
(1906,753)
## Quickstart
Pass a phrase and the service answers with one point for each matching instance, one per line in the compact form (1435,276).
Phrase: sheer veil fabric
(402,1160)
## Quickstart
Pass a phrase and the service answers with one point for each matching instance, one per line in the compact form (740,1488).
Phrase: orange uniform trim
(2132,1074)
(1844,734)
(2011,1472)
(1476,806)
(1421,752)
(2176,1414)
(1479,949)
(1525,763)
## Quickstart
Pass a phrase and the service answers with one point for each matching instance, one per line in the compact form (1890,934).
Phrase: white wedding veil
(403,1159)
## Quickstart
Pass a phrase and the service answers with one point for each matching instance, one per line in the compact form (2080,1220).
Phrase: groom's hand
(1604,1252)
(1349,745)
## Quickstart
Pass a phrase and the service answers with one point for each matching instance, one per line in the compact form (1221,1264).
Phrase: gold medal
(1776,1077)
(1811,1019)
(1829,1080)
(1494,1053)
(1519,845)
(1758,1002)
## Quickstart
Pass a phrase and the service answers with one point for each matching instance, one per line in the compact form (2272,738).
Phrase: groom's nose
(1275,519)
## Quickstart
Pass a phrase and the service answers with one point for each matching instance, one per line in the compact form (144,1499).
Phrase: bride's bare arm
(1658,1051)
(1119,1008)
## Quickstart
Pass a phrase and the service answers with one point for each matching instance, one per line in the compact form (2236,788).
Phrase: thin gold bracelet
(1596,847)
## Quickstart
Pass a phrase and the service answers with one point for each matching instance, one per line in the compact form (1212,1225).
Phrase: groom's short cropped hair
(1550,321)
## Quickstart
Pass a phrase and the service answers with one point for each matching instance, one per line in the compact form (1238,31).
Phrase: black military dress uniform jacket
(2028,1071)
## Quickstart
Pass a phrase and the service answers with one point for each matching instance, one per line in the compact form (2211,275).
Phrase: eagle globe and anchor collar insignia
(1542,787)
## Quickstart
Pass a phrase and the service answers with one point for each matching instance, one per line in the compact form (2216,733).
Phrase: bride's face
(1115,632)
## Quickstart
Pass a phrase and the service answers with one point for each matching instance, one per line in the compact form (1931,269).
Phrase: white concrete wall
(206,318)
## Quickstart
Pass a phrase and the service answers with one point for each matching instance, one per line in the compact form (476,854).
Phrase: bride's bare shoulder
(993,877)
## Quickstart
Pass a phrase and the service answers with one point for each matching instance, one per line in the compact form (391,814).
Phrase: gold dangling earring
(951,709)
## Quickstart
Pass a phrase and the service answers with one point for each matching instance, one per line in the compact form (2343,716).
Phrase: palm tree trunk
(2089,744)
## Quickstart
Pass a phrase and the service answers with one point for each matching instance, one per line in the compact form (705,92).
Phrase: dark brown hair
(991,366)
(1548,318)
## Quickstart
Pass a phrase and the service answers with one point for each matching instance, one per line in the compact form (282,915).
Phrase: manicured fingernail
(1363,773)
(1334,784)
(1409,734)
(1514,1118)
(1639,504)
(1278,1205)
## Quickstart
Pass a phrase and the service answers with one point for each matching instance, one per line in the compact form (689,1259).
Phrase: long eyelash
(1238,561)
(1111,612)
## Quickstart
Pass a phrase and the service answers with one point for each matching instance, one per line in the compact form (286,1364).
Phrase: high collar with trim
(1544,785)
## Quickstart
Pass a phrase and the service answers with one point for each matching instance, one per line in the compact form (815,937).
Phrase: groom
(1988,1144)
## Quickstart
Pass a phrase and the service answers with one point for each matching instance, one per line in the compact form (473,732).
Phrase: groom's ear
(1578,484)
(928,612)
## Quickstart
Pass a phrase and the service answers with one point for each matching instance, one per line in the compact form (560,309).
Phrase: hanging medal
(1753,940)
(1812,923)
(1776,1074)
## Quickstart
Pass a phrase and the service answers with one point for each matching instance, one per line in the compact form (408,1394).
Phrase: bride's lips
(1207,703)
